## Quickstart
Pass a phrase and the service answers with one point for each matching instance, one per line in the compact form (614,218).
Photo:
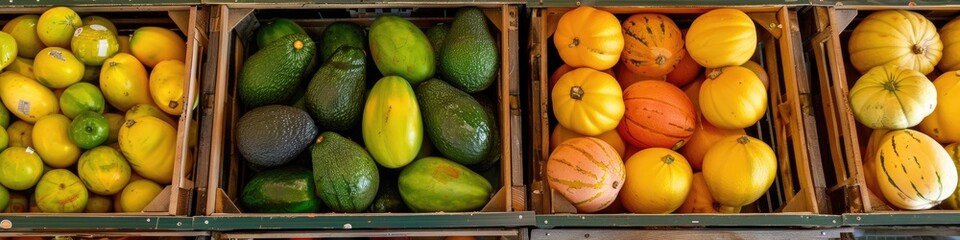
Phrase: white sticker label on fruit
(98,27)
(77,32)
(57,55)
(102,48)
(23,107)
(30,150)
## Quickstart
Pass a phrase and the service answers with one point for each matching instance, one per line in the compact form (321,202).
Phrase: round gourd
(890,97)
(898,37)
(732,98)
(722,37)
(653,45)
(704,136)
(659,181)
(561,134)
(564,69)
(953,202)
(950,37)
(588,101)
(699,199)
(588,37)
(586,171)
(685,72)
(942,123)
(919,173)
(658,114)
(738,170)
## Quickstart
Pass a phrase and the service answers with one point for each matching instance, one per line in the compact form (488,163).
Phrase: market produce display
(88,126)
(321,132)
(910,160)
(640,84)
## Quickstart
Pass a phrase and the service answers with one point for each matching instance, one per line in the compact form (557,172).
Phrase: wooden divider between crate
(175,198)
(226,21)
(792,111)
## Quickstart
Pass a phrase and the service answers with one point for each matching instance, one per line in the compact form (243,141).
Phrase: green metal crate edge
(97,222)
(688,220)
(336,221)
(656,3)
(77,3)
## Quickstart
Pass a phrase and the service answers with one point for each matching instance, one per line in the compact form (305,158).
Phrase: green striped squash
(586,171)
(953,202)
(914,172)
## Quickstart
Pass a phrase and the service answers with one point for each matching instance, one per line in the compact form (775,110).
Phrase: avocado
(469,59)
(457,124)
(346,176)
(336,93)
(340,34)
(276,29)
(272,74)
(273,135)
(437,34)
(388,198)
(493,156)
(281,190)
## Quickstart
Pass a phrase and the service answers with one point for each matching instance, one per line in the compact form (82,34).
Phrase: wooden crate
(233,29)
(787,126)
(847,137)
(191,23)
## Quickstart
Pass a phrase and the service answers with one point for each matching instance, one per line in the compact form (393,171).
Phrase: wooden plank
(219,105)
(512,26)
(207,91)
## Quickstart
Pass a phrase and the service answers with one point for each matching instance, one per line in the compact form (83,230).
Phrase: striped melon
(586,171)
(914,172)
(953,202)
(870,163)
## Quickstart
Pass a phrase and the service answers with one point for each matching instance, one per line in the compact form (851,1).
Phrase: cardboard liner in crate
(235,27)
(191,23)
(848,138)
(787,126)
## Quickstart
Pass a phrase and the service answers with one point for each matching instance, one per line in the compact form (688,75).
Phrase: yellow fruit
(20,134)
(152,45)
(138,194)
(166,86)
(8,50)
(116,121)
(98,20)
(57,67)
(124,42)
(92,44)
(24,30)
(123,80)
(23,66)
(26,98)
(103,170)
(149,145)
(56,26)
(52,143)
(141,110)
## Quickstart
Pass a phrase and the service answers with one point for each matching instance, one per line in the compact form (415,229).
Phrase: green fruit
(388,198)
(345,175)
(4,116)
(434,184)
(8,50)
(457,124)
(392,126)
(4,197)
(59,191)
(399,48)
(89,130)
(80,97)
(469,59)
(20,168)
(274,73)
(24,30)
(341,34)
(496,150)
(273,135)
(282,190)
(276,29)
(334,97)
(104,170)
(4,139)
(437,35)
(93,44)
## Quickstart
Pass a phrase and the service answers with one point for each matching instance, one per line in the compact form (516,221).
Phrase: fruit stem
(319,139)
(729,209)
(715,73)
(917,49)
(575,43)
(576,92)
(661,60)
(667,159)
(130,123)
(890,85)
(743,139)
